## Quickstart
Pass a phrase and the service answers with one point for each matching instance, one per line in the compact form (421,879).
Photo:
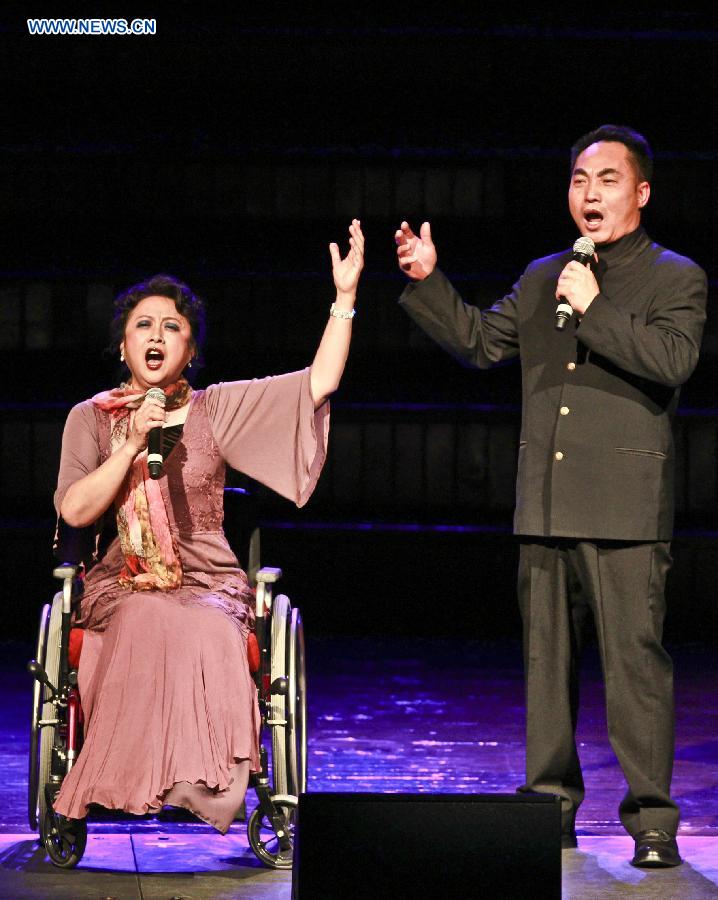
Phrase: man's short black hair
(638,147)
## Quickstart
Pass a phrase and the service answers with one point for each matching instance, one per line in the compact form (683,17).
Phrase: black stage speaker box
(425,846)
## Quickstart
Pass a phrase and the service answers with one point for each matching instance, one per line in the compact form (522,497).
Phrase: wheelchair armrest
(268,575)
(66,570)
(74,545)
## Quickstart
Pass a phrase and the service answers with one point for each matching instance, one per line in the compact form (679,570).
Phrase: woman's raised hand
(346,271)
(328,365)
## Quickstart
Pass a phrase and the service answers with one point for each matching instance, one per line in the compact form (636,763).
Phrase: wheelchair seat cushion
(252,652)
(74,647)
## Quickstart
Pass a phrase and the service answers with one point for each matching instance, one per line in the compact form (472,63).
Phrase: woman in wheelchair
(169,703)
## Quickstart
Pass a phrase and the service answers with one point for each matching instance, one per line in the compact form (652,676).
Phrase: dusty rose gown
(170,707)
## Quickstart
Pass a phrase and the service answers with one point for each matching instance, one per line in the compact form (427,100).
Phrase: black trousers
(560,581)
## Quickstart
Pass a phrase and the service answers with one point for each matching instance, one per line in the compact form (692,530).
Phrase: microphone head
(156,394)
(584,246)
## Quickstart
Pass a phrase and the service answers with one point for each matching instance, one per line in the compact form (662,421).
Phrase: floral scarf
(151,557)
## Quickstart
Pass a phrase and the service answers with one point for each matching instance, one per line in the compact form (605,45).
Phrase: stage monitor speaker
(425,846)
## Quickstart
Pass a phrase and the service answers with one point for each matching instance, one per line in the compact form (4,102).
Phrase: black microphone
(583,251)
(154,439)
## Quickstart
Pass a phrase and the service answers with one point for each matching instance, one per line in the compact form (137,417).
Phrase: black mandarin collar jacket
(596,453)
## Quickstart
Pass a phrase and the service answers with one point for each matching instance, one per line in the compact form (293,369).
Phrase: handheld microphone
(583,251)
(154,439)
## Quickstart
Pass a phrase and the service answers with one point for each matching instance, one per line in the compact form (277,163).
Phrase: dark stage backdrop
(229,150)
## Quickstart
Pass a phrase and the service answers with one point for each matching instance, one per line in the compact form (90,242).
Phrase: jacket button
(558,456)
(571,366)
(564,410)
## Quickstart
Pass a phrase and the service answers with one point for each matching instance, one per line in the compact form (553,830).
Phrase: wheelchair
(277,661)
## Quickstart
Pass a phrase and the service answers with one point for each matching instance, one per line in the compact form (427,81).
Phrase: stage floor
(391,715)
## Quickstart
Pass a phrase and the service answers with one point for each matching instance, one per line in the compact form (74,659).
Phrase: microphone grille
(156,394)
(584,246)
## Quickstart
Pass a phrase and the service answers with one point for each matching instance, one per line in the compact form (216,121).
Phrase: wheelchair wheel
(289,710)
(263,838)
(42,738)
(278,720)
(297,733)
(37,688)
(64,839)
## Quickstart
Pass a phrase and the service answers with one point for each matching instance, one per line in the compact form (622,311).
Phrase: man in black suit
(594,505)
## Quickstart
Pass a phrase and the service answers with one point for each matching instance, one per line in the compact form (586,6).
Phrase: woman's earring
(189,364)
(122,355)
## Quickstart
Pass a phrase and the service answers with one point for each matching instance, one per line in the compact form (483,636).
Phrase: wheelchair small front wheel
(263,838)
(64,839)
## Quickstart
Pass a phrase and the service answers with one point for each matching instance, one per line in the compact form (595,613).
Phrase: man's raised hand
(416,255)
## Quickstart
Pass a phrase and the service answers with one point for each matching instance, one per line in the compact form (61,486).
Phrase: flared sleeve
(268,429)
(80,449)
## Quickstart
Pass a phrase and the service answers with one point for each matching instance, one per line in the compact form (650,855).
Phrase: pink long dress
(170,707)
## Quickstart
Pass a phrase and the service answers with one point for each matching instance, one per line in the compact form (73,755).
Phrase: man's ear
(644,192)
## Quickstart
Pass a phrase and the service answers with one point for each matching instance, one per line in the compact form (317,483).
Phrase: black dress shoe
(568,840)
(655,850)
